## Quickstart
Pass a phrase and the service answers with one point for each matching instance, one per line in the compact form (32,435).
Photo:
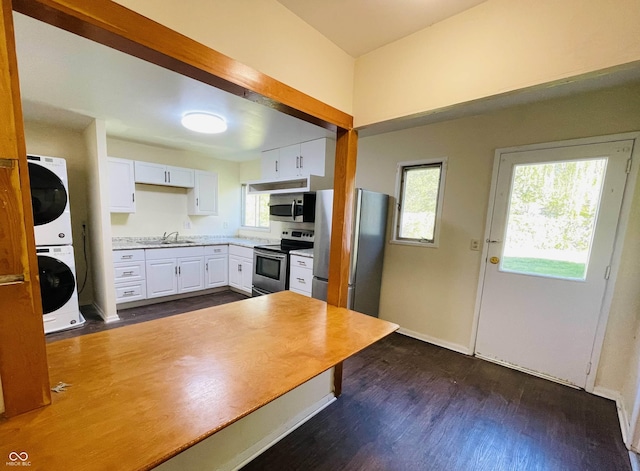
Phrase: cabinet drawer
(300,279)
(216,249)
(245,252)
(129,271)
(302,262)
(130,292)
(136,255)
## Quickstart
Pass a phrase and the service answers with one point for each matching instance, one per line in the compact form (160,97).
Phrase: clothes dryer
(50,200)
(58,290)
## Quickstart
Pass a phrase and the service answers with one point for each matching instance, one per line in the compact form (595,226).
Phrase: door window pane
(552,213)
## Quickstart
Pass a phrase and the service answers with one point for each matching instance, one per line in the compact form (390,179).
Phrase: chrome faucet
(165,236)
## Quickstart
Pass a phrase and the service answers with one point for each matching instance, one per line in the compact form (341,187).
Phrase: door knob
(494,260)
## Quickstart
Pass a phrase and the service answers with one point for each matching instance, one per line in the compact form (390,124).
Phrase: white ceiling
(68,80)
(360,26)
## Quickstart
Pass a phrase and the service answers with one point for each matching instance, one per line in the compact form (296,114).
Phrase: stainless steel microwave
(293,207)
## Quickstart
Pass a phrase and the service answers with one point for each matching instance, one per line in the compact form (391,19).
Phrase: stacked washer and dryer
(52,221)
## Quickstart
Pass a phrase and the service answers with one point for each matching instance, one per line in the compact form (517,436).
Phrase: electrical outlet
(186,225)
(225,225)
(475,244)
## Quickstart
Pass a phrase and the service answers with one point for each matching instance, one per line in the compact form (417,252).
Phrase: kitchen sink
(166,242)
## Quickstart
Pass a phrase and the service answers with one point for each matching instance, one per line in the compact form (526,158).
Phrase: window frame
(244,188)
(400,169)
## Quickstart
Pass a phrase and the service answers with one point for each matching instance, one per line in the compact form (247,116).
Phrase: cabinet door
(312,157)
(235,272)
(190,274)
(216,271)
(270,164)
(122,198)
(182,177)
(289,166)
(247,275)
(150,173)
(203,198)
(162,277)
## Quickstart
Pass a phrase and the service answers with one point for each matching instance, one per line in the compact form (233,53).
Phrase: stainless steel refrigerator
(367,249)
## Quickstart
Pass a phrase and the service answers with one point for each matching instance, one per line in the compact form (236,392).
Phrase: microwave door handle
(293,210)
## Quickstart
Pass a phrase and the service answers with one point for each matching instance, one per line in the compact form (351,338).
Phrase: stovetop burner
(292,239)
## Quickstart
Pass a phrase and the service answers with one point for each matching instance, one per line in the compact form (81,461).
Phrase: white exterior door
(552,231)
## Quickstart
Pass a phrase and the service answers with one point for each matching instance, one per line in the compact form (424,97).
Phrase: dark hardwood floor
(408,405)
(135,315)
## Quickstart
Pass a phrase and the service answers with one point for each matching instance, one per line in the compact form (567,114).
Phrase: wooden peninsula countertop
(141,394)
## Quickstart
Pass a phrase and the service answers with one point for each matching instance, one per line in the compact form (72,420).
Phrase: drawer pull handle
(127,273)
(302,263)
(127,257)
(217,250)
(129,293)
(301,280)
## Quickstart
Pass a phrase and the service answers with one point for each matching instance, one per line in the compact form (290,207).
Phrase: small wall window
(419,196)
(255,209)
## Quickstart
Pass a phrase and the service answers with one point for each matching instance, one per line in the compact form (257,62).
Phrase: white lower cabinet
(301,274)
(154,273)
(241,268)
(130,275)
(216,266)
(174,270)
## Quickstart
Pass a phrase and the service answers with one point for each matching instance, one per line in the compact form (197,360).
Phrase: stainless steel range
(271,262)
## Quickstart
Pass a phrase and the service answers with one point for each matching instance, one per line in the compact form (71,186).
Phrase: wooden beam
(23,361)
(118,27)
(341,228)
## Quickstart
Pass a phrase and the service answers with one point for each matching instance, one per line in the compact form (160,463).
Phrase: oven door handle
(293,210)
(271,255)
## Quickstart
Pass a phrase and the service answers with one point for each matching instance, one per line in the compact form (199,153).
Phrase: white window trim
(396,212)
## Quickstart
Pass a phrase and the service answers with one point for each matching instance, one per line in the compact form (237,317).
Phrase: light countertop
(128,243)
(302,253)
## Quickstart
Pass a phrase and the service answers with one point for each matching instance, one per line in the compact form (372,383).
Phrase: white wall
(432,291)
(164,209)
(70,145)
(497,47)
(264,35)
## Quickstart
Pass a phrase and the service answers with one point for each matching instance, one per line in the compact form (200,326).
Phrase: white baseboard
(435,341)
(635,461)
(102,314)
(281,432)
(623,416)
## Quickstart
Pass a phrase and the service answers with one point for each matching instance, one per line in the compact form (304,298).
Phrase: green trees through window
(552,214)
(419,201)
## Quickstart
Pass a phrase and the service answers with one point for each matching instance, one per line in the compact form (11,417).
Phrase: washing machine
(50,200)
(58,288)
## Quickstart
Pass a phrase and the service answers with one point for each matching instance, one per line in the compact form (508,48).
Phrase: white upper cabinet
(270,164)
(165,175)
(312,157)
(122,193)
(297,160)
(289,159)
(202,199)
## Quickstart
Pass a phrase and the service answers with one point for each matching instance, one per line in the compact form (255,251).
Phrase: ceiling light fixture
(206,123)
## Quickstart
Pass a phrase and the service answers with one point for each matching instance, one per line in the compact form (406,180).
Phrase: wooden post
(23,360)
(341,227)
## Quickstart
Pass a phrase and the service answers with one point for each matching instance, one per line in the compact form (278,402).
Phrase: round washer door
(48,195)
(57,283)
